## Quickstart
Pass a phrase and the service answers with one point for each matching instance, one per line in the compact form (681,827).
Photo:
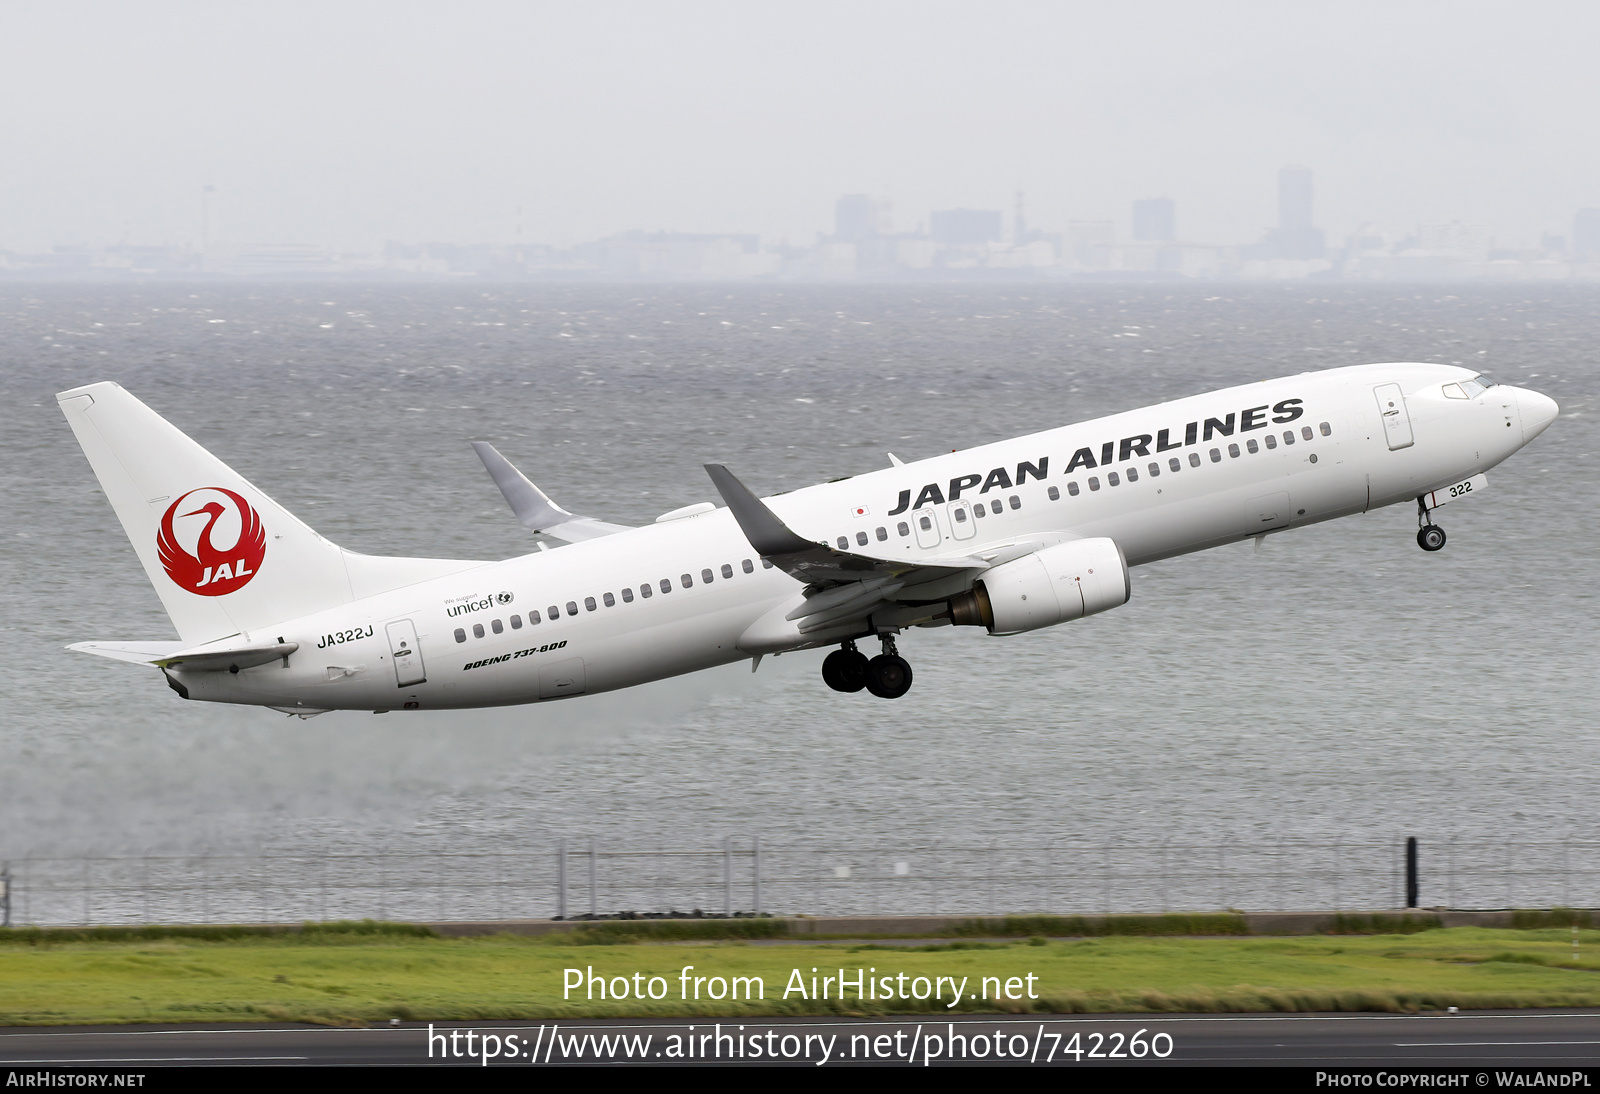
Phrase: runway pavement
(1564,1039)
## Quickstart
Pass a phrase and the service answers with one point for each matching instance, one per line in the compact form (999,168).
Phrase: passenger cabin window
(1305,431)
(646,591)
(1216,456)
(687,579)
(589,604)
(516,622)
(461,635)
(1194,459)
(1251,446)
(1094,483)
(1327,430)
(1111,477)
(572,607)
(903,528)
(497,627)
(925,523)
(882,533)
(1154,469)
(609,601)
(727,571)
(555,612)
(1053,494)
(979,511)
(748,566)
(533,617)
(861,539)
(1174,465)
(1288,436)
(706,576)
(765,565)
(666,584)
(1133,474)
(477,630)
(627,595)
(1072,487)
(960,513)
(1016,502)
(994,507)
(1272,442)
(1233,450)
(844,543)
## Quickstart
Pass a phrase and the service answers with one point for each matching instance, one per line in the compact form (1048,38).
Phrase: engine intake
(1055,585)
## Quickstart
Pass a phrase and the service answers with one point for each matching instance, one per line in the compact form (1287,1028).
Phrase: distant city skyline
(952,244)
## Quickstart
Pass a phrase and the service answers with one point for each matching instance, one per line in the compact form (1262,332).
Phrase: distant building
(1469,241)
(1089,243)
(1586,236)
(1154,220)
(858,217)
(1294,199)
(965,227)
(677,256)
(1295,237)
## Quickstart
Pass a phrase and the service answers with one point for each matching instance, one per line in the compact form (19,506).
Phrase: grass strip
(364,974)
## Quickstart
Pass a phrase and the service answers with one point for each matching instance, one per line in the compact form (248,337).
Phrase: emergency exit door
(1396,420)
(407,654)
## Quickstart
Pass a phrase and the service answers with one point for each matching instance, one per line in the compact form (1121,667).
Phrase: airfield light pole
(1411,871)
(561,879)
(594,896)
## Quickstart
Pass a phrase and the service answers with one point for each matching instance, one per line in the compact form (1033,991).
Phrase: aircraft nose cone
(1537,412)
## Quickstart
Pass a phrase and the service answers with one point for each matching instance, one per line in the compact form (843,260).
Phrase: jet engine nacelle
(1051,586)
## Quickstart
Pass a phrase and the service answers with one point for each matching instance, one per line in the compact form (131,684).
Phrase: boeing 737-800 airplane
(1010,536)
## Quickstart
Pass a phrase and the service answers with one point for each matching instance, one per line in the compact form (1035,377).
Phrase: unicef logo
(504,598)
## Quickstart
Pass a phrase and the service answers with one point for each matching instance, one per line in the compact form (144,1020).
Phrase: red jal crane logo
(219,555)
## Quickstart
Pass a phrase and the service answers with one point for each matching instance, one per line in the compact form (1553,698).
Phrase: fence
(575,878)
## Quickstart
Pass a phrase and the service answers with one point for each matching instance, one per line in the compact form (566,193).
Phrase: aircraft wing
(533,506)
(841,585)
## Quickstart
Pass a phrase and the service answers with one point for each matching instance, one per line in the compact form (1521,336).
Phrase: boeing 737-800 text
(1010,536)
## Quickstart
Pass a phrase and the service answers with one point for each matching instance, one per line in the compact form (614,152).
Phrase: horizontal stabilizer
(173,655)
(533,506)
(203,659)
(138,653)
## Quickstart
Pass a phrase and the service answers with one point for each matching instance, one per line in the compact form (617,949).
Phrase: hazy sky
(347,124)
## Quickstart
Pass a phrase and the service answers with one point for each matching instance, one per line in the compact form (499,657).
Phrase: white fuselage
(1159,481)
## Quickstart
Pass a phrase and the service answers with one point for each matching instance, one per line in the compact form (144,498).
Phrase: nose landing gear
(1430,537)
(887,676)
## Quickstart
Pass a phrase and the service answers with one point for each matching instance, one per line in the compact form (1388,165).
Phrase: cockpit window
(1472,388)
(1453,391)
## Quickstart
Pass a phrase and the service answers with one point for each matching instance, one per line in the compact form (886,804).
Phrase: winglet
(761,526)
(533,507)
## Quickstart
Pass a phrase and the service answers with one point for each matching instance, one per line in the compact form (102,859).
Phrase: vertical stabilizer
(224,558)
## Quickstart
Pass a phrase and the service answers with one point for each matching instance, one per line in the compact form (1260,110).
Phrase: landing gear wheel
(888,676)
(845,669)
(1430,538)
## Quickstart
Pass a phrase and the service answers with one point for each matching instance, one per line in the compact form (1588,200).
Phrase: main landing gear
(1430,537)
(887,676)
